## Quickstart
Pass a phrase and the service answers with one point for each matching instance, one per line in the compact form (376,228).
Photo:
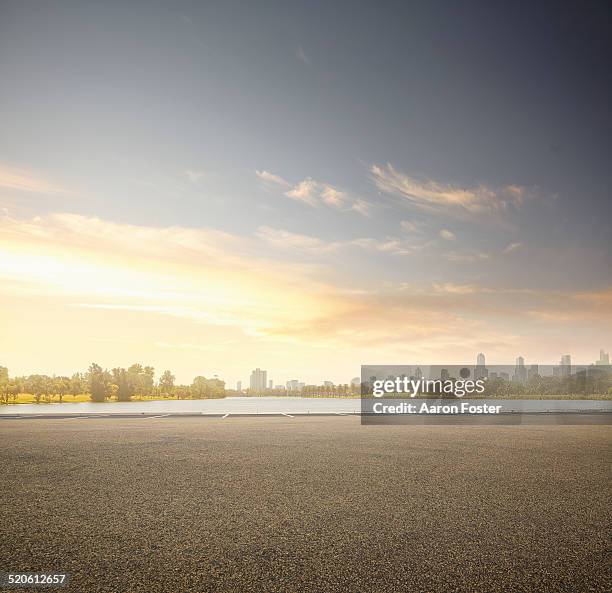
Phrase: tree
(37,385)
(4,383)
(199,387)
(99,382)
(77,384)
(141,379)
(207,388)
(61,386)
(124,383)
(166,382)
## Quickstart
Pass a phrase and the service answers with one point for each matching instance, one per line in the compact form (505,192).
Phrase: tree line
(101,385)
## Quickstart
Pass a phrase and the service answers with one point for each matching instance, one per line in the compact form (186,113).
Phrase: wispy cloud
(316,193)
(21,180)
(307,244)
(194,176)
(447,235)
(449,199)
(467,255)
(272,179)
(513,247)
(287,240)
(302,57)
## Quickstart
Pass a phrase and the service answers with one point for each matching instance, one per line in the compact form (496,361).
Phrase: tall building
(239,386)
(566,365)
(293,385)
(533,372)
(520,372)
(604,358)
(481,371)
(258,380)
(270,384)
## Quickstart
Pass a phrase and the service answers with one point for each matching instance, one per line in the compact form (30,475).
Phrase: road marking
(288,415)
(160,416)
(226,415)
(340,414)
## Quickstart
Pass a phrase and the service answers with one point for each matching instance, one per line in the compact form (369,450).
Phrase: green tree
(99,382)
(61,386)
(77,384)
(4,383)
(166,382)
(125,384)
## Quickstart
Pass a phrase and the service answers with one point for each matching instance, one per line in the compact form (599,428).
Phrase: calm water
(275,405)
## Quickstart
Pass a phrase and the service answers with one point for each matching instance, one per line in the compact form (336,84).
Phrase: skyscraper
(258,380)
(520,372)
(604,358)
(566,365)
(480,372)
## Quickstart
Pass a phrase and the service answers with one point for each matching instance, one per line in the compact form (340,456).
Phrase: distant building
(492,375)
(533,372)
(444,374)
(565,365)
(239,386)
(504,376)
(328,384)
(604,358)
(270,384)
(520,372)
(293,385)
(481,371)
(258,380)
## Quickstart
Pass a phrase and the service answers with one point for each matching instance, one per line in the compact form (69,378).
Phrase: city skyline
(203,189)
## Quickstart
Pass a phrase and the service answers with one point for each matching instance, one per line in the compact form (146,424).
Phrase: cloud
(412,226)
(447,235)
(454,200)
(20,180)
(194,176)
(272,179)
(307,244)
(302,57)
(468,255)
(390,245)
(89,278)
(307,191)
(452,288)
(512,247)
(316,193)
(285,239)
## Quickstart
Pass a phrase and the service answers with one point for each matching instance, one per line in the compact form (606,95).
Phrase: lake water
(275,405)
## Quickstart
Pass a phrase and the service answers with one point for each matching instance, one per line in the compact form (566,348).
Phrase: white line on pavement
(226,415)
(288,415)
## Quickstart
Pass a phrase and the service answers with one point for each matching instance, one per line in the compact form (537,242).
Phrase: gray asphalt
(282,504)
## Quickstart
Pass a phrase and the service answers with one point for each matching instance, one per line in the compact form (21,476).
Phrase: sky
(304,187)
